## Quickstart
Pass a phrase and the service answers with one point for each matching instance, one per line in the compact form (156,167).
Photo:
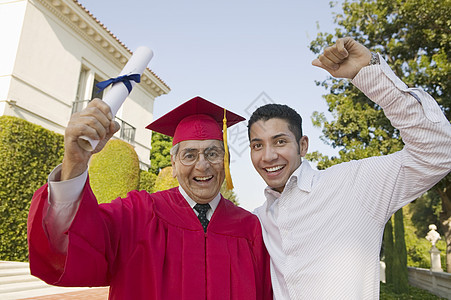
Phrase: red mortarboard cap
(196,119)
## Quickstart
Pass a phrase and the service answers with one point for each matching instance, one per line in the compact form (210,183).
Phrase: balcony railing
(127,132)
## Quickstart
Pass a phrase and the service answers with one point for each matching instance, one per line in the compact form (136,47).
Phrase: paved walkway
(91,294)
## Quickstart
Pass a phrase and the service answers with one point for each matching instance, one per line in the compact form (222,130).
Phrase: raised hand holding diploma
(122,86)
(95,123)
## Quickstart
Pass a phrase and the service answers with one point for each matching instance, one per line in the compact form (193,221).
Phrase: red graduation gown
(152,246)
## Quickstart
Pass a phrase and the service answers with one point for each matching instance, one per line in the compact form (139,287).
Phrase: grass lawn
(414,293)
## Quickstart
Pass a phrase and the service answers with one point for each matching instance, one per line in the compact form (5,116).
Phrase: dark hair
(278,111)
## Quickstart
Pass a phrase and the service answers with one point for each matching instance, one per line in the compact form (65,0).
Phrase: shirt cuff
(373,71)
(370,76)
(67,191)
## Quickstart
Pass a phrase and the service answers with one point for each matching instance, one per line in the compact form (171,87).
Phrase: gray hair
(175,149)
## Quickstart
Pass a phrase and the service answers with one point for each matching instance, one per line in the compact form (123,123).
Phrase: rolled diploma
(118,92)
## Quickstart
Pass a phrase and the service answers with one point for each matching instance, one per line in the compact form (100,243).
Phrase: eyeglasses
(189,156)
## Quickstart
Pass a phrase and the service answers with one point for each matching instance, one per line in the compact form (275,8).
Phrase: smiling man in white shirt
(323,229)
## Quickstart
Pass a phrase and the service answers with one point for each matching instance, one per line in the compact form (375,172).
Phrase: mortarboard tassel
(226,154)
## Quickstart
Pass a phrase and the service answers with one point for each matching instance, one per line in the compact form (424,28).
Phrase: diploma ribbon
(124,79)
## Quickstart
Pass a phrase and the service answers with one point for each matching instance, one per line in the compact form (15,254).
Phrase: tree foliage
(400,274)
(388,247)
(425,211)
(395,254)
(417,218)
(414,37)
(159,154)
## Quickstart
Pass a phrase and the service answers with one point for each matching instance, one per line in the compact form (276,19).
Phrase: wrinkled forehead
(199,144)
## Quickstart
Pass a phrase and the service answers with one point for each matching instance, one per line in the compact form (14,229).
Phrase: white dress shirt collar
(303,176)
(213,203)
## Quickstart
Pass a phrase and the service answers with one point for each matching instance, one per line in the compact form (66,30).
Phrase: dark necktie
(202,210)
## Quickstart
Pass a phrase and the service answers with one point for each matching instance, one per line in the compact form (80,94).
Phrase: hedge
(114,171)
(147,181)
(28,153)
(165,180)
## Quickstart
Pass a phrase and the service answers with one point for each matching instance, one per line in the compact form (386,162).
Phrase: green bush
(147,181)
(28,153)
(165,180)
(417,245)
(114,171)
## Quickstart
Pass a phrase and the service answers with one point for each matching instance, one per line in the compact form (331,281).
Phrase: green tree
(388,251)
(419,215)
(414,37)
(400,274)
(159,154)
(425,211)
(395,254)
(416,243)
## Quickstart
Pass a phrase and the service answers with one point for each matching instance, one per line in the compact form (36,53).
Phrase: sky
(237,54)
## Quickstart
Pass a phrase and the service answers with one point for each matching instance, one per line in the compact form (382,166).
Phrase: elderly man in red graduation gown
(183,243)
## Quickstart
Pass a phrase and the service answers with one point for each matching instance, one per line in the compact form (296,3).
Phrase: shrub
(417,245)
(147,181)
(114,171)
(165,180)
(28,153)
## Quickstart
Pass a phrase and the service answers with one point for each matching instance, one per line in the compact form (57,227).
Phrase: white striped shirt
(324,231)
